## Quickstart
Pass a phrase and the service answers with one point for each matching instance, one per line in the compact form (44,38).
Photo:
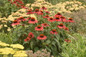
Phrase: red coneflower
(27,39)
(31,35)
(58,15)
(14,2)
(51,19)
(15,22)
(22,6)
(57,19)
(41,37)
(18,5)
(40,13)
(47,12)
(20,1)
(29,11)
(36,10)
(67,40)
(66,28)
(47,16)
(44,24)
(21,19)
(39,28)
(43,8)
(53,31)
(70,20)
(63,19)
(32,21)
(61,26)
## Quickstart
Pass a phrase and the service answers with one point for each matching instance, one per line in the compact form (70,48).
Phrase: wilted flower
(67,40)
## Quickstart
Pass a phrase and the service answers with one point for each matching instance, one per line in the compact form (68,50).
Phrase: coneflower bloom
(27,39)
(31,35)
(40,13)
(29,11)
(43,8)
(15,22)
(57,19)
(70,20)
(14,2)
(67,40)
(19,1)
(51,19)
(22,6)
(41,37)
(58,15)
(32,21)
(47,16)
(18,5)
(21,19)
(36,11)
(63,19)
(47,12)
(66,28)
(39,28)
(53,31)
(61,26)
(45,25)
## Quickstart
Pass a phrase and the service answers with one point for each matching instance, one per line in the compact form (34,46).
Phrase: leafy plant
(76,48)
(6,37)
(44,32)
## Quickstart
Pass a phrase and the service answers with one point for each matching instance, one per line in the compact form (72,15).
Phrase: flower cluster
(45,21)
(18,3)
(67,6)
(13,49)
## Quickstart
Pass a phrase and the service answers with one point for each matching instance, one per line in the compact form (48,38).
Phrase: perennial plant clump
(44,31)
(11,50)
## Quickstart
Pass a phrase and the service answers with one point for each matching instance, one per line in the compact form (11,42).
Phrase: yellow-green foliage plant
(11,50)
(76,48)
